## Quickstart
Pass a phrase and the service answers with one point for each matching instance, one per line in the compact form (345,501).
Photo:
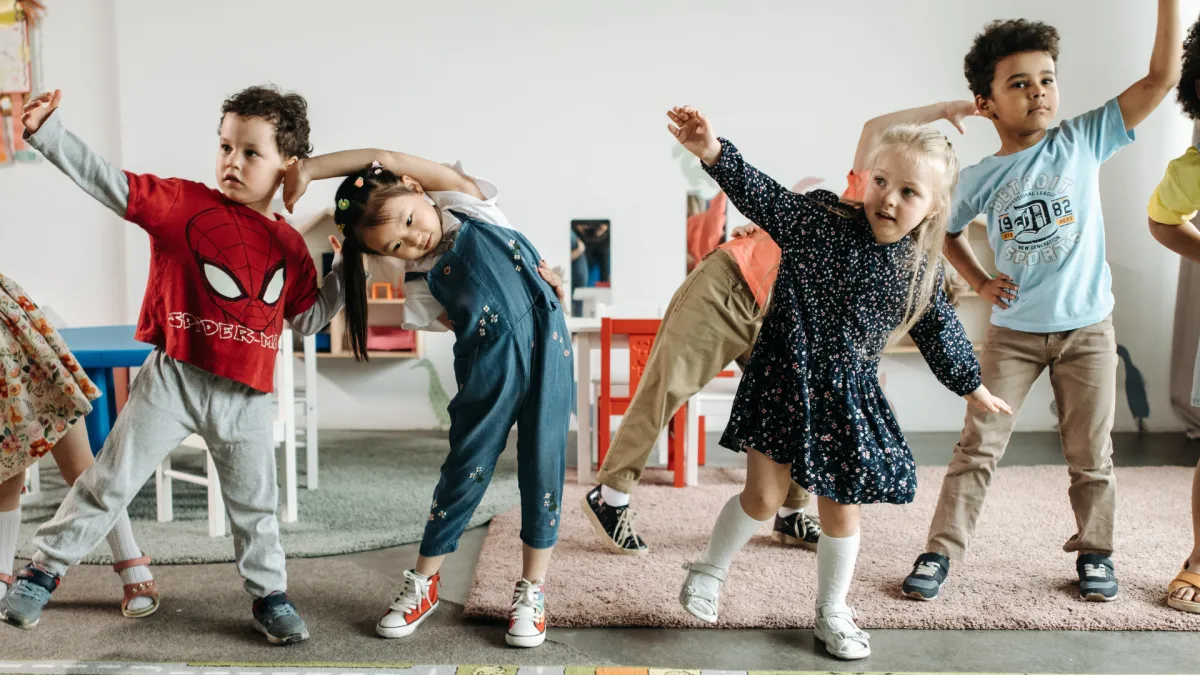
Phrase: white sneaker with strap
(527,623)
(842,637)
(702,590)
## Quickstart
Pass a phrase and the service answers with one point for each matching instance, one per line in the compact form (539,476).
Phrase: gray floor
(895,650)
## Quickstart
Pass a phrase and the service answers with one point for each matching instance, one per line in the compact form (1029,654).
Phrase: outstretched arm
(1139,100)
(432,176)
(872,132)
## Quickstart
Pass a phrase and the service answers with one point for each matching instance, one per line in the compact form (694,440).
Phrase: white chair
(283,432)
(719,393)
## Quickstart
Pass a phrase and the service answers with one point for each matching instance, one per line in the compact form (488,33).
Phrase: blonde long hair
(924,144)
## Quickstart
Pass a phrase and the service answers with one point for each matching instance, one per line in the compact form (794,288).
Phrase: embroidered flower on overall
(516,251)
(477,474)
(550,503)
(434,513)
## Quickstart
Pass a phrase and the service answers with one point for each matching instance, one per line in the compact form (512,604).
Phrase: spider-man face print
(242,265)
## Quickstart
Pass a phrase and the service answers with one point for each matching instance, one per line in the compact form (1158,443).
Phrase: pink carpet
(1019,540)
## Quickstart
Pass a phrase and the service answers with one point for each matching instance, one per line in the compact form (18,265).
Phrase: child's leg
(157,417)
(481,415)
(1010,364)
(742,516)
(797,499)
(1187,593)
(240,439)
(73,455)
(10,525)
(1084,377)
(837,553)
(712,320)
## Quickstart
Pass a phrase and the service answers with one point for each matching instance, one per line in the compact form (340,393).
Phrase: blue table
(99,350)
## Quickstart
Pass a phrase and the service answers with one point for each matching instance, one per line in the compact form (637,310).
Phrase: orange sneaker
(416,601)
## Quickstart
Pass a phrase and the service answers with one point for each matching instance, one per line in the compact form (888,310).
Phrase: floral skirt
(43,391)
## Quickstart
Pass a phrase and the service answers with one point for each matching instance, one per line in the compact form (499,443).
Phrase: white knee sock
(835,568)
(784,511)
(124,547)
(614,497)
(10,525)
(733,529)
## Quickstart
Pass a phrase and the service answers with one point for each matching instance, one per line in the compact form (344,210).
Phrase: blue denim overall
(512,362)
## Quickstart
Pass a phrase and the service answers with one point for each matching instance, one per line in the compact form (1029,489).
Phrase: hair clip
(343,204)
(358,183)
(341,228)
(378,168)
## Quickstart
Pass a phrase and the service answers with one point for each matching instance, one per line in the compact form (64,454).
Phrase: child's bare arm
(953,111)
(432,176)
(1139,100)
(1183,239)
(999,290)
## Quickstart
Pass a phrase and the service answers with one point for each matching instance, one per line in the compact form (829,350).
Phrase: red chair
(641,333)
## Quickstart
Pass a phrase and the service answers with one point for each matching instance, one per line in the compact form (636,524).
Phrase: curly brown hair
(1189,100)
(287,112)
(1001,39)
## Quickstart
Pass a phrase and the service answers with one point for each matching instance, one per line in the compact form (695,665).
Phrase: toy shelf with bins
(973,311)
(384,311)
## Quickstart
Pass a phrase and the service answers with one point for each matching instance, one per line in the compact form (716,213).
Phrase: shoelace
(1095,571)
(623,533)
(807,524)
(929,569)
(415,590)
(527,602)
(282,609)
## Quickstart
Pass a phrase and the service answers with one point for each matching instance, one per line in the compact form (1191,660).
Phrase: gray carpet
(375,492)
(205,618)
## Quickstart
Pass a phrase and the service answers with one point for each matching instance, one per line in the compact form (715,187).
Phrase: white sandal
(842,637)
(696,598)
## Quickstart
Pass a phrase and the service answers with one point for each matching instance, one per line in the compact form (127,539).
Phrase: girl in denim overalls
(466,271)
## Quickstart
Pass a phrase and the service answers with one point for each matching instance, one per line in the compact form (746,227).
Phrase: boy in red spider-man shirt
(225,272)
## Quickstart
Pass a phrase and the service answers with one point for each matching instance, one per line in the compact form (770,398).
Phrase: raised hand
(745,230)
(39,109)
(694,132)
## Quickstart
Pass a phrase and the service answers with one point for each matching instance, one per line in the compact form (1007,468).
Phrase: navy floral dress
(810,395)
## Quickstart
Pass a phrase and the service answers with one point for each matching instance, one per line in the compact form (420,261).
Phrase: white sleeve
(421,309)
(484,209)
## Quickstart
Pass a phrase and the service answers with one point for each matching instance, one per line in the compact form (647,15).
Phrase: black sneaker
(275,617)
(614,524)
(798,529)
(1097,578)
(927,577)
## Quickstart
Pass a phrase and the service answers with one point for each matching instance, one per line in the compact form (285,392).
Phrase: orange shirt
(704,230)
(758,257)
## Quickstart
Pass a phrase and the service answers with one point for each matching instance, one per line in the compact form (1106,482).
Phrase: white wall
(62,247)
(561,104)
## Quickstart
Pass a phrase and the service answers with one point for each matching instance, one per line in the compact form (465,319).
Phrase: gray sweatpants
(168,401)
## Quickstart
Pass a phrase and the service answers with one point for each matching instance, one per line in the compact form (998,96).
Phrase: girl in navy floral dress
(810,407)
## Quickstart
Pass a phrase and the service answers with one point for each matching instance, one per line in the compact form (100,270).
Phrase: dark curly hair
(287,112)
(1001,39)
(1189,100)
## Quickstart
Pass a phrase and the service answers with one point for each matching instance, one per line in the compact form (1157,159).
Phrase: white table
(591,296)
(585,336)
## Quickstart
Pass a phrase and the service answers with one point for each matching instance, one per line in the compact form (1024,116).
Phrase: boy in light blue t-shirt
(1053,297)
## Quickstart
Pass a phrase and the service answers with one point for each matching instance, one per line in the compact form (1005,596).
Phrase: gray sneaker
(22,605)
(275,616)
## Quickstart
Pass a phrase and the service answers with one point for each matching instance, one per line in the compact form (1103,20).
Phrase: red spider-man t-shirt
(222,278)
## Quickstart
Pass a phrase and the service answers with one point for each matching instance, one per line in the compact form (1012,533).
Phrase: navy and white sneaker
(22,604)
(276,617)
(798,529)
(927,577)
(614,524)
(1097,578)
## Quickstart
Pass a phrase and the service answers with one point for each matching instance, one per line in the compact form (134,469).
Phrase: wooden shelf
(373,355)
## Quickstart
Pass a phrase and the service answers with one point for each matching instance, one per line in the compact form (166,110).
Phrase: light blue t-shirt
(1045,223)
